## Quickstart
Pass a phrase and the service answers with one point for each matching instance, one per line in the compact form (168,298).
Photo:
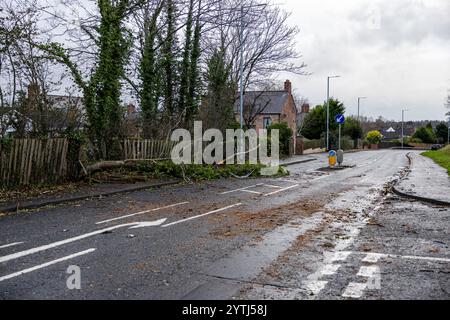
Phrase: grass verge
(441,157)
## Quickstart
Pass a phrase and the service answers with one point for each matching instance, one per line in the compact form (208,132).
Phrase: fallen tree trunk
(105,165)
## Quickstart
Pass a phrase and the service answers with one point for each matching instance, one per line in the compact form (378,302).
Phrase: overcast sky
(395,52)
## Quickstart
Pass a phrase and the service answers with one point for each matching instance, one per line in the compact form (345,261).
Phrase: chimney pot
(288,86)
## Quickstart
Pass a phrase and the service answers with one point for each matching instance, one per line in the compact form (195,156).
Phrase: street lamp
(328,109)
(359,100)
(403,119)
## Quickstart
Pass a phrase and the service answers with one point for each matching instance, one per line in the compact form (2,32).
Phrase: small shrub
(374,137)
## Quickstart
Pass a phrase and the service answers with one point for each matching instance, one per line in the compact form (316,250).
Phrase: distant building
(390,134)
(302,113)
(262,108)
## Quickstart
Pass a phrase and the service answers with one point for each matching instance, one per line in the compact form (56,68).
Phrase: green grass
(441,157)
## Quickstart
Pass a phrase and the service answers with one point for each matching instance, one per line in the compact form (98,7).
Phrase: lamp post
(328,109)
(241,68)
(403,119)
(359,101)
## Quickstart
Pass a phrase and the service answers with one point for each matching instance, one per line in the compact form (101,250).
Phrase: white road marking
(143,212)
(368,271)
(242,189)
(337,256)
(201,215)
(251,191)
(426,258)
(330,269)
(62,242)
(373,257)
(281,190)
(10,245)
(272,186)
(315,286)
(149,224)
(41,266)
(354,290)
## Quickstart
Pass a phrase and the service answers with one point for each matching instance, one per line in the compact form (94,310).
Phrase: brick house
(302,112)
(262,108)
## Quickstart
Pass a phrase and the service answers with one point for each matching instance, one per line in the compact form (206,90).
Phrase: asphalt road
(311,235)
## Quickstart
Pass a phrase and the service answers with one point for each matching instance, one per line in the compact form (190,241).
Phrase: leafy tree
(374,137)
(169,62)
(285,135)
(425,134)
(352,128)
(441,132)
(102,90)
(315,124)
(217,108)
(150,78)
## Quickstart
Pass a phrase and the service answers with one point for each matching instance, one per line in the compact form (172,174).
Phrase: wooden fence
(33,161)
(37,161)
(147,149)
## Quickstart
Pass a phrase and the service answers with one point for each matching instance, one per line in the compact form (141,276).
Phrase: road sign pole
(339,136)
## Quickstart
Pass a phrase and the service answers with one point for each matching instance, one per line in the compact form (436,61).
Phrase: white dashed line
(60,243)
(142,212)
(10,245)
(315,286)
(368,271)
(354,290)
(41,266)
(281,190)
(201,215)
(242,189)
(330,269)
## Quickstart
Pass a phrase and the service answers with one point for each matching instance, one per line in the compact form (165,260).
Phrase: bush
(426,134)
(413,140)
(285,136)
(374,137)
(352,128)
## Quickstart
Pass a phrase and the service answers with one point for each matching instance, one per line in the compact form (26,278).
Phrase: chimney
(305,108)
(131,109)
(288,86)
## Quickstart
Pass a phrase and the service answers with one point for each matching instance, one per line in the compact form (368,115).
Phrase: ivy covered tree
(217,107)
(102,88)
(151,86)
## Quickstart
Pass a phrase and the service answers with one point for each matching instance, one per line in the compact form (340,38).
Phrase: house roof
(390,130)
(265,102)
(60,101)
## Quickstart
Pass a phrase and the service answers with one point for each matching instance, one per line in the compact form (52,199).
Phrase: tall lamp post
(403,119)
(328,109)
(359,101)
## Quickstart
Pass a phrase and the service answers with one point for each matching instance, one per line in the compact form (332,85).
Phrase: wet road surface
(310,235)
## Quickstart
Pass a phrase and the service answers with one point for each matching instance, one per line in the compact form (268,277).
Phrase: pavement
(81,193)
(426,179)
(311,235)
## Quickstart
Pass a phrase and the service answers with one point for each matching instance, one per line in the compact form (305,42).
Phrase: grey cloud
(399,22)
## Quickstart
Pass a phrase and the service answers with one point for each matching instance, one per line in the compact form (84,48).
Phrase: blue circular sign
(332,153)
(339,118)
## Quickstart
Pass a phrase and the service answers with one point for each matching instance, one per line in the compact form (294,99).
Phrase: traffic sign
(339,118)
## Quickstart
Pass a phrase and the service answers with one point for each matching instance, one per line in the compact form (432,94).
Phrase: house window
(267,121)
